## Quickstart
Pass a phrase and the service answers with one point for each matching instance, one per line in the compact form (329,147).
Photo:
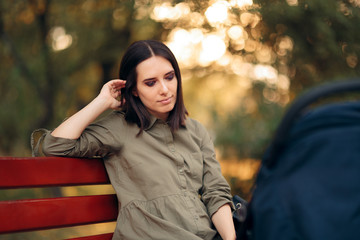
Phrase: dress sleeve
(97,140)
(215,190)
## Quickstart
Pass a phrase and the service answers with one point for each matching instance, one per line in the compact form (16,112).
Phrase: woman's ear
(135,93)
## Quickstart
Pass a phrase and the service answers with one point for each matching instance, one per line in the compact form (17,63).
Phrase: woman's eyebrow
(172,71)
(149,79)
(154,78)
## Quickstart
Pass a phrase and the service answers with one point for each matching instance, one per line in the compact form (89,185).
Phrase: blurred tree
(55,55)
(311,41)
(323,38)
(245,132)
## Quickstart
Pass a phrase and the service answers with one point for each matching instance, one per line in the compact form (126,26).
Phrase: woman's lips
(166,101)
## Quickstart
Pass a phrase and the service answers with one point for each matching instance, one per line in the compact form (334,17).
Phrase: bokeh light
(217,13)
(226,38)
(292,2)
(212,49)
(165,11)
(241,3)
(60,40)
(236,32)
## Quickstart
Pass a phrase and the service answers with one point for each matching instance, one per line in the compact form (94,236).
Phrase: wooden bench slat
(40,214)
(105,236)
(51,171)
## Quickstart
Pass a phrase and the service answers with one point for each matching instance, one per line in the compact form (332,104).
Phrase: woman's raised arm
(107,99)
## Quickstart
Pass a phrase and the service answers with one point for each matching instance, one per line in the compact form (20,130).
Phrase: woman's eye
(150,83)
(170,76)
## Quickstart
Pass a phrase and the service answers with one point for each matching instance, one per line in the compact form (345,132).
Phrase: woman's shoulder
(194,125)
(117,114)
(114,118)
(198,131)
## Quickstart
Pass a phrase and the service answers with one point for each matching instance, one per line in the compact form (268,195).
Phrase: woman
(161,164)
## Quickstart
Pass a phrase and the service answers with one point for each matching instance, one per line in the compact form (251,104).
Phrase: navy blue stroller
(308,186)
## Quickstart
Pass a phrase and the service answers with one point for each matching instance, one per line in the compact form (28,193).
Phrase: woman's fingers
(115,86)
(114,89)
(117,83)
(111,92)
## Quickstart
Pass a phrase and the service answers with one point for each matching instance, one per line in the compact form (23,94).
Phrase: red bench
(59,212)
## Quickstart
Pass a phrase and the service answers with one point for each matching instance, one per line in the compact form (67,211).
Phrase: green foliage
(42,80)
(246,133)
(325,37)
(324,45)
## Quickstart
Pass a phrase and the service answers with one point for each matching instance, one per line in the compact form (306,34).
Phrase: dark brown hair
(134,109)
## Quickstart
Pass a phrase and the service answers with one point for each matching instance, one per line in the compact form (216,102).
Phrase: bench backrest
(40,214)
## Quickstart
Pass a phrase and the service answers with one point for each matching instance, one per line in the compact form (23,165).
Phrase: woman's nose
(164,88)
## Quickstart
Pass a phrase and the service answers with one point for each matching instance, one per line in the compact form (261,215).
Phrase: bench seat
(59,212)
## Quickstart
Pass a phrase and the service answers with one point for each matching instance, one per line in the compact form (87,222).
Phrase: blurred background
(242,63)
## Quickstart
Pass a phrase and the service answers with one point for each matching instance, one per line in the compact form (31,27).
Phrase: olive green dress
(168,184)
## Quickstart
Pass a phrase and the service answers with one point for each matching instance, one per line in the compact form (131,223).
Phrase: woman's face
(156,86)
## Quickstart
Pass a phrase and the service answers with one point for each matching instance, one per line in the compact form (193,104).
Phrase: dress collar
(153,119)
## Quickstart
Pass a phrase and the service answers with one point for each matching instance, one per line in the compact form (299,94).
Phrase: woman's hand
(111,92)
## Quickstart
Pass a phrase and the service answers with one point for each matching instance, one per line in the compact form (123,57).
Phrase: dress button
(171,147)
